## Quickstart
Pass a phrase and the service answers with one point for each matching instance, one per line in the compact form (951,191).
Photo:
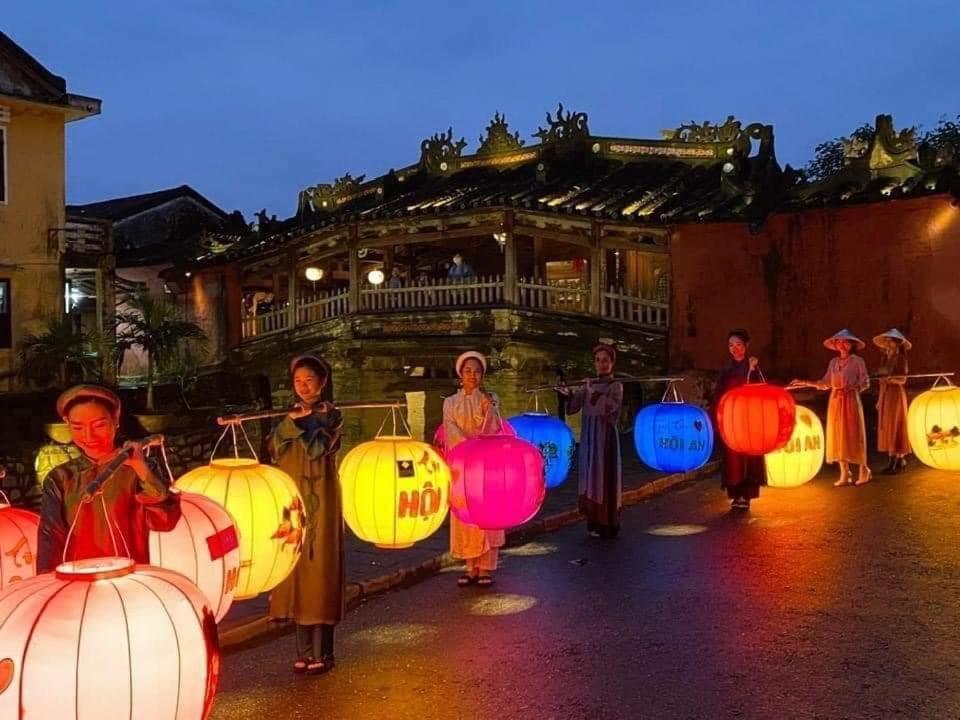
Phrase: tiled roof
(117,209)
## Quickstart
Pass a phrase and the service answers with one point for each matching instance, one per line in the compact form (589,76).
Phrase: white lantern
(376,277)
(106,639)
(18,544)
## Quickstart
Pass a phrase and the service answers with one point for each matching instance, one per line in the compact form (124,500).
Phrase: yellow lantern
(268,511)
(933,424)
(51,455)
(801,458)
(395,491)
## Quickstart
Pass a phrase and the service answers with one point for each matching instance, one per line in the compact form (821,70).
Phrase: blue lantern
(673,436)
(552,438)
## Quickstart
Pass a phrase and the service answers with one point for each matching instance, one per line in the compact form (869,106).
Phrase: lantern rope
(5,497)
(106,516)
(216,445)
(232,428)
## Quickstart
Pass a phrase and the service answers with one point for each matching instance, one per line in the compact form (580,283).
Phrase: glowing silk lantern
(204,547)
(107,639)
(552,438)
(268,511)
(18,544)
(496,481)
(51,455)
(933,425)
(395,491)
(673,436)
(756,419)
(801,458)
(439,441)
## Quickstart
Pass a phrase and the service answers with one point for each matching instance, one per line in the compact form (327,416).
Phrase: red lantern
(18,543)
(497,481)
(107,639)
(756,419)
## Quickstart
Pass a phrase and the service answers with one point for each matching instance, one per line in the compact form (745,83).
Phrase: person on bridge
(740,475)
(846,378)
(304,445)
(601,483)
(892,402)
(472,412)
(131,502)
(460,271)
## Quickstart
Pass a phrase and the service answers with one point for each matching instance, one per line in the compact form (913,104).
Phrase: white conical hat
(892,335)
(831,342)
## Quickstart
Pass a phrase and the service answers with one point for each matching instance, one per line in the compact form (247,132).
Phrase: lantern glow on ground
(106,639)
(204,547)
(673,436)
(801,458)
(552,438)
(933,425)
(268,511)
(18,544)
(395,491)
(497,481)
(756,419)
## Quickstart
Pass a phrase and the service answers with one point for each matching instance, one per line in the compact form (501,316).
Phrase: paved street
(822,603)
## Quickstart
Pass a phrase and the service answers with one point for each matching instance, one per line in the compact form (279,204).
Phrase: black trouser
(315,641)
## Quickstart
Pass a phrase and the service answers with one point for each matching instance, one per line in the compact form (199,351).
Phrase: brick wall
(803,276)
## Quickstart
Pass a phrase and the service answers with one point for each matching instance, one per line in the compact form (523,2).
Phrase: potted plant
(158,328)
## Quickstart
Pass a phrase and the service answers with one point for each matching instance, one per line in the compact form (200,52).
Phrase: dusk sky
(251,101)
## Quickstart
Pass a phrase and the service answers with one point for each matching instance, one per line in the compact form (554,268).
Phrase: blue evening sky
(249,101)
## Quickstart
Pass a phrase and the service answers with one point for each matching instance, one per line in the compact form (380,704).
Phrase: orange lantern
(801,458)
(266,506)
(18,543)
(756,419)
(933,426)
(106,639)
(204,547)
(395,491)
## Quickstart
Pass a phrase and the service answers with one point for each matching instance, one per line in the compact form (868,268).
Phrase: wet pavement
(821,603)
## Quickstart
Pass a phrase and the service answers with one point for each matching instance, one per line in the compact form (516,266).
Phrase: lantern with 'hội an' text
(267,509)
(673,436)
(756,418)
(496,481)
(395,491)
(801,458)
(933,426)
(107,639)
(204,547)
(18,543)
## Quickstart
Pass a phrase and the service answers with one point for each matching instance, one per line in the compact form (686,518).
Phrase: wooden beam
(509,260)
(354,271)
(292,283)
(596,270)
(581,240)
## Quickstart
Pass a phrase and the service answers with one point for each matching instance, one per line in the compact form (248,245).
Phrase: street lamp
(375,277)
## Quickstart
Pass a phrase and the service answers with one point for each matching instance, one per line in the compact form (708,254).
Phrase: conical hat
(831,342)
(892,335)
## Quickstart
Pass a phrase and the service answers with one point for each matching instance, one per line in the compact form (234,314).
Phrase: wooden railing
(477,292)
(539,294)
(620,306)
(535,294)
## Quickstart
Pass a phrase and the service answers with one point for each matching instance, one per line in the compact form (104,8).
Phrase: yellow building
(39,249)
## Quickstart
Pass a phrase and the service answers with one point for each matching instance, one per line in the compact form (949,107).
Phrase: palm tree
(156,326)
(52,352)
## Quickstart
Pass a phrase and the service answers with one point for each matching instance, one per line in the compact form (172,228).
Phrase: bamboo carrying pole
(246,417)
(625,379)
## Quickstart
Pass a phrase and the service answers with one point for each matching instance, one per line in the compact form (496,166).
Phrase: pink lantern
(440,436)
(497,481)
(106,639)
(18,543)
(204,547)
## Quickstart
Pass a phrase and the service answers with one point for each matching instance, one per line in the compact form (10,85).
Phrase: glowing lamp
(105,638)
(756,419)
(204,547)
(673,436)
(18,544)
(496,481)
(50,456)
(439,441)
(375,277)
(395,491)
(801,458)
(933,425)
(313,274)
(268,511)
(552,438)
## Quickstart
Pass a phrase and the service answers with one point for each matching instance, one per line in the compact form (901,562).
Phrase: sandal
(465,580)
(865,477)
(484,581)
(300,666)
(319,667)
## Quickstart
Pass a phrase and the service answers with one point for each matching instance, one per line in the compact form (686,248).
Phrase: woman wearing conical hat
(892,402)
(846,378)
